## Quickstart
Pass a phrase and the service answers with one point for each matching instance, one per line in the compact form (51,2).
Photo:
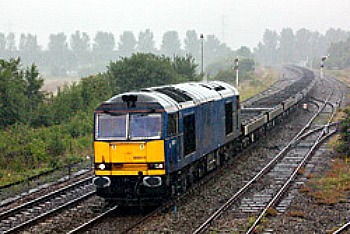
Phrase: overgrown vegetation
(256,82)
(332,187)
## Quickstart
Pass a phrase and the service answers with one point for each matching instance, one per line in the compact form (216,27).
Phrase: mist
(236,23)
(79,38)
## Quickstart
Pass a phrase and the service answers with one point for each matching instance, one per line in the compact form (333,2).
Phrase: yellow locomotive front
(129,154)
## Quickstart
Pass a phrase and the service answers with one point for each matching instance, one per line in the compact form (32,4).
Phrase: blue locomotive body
(184,128)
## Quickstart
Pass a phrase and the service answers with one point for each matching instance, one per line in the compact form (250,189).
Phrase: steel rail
(33,220)
(92,221)
(42,198)
(342,228)
(323,135)
(286,185)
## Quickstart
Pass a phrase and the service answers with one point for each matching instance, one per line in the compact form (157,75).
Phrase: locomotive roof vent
(176,94)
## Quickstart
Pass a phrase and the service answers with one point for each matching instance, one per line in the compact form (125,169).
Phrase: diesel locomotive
(153,143)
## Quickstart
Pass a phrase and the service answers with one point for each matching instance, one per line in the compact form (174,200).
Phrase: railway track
(277,175)
(22,216)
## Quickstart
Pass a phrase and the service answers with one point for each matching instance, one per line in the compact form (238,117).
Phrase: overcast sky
(236,22)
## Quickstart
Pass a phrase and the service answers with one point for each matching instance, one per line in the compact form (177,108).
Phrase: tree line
(79,54)
(303,46)
(339,55)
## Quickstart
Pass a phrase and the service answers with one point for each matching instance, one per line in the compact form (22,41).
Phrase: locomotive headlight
(156,166)
(159,166)
(102,166)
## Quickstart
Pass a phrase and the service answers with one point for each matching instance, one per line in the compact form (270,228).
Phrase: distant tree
(127,44)
(104,43)
(336,35)
(317,45)
(60,57)
(170,46)
(303,45)
(244,52)
(339,55)
(80,44)
(29,49)
(267,49)
(2,45)
(212,49)
(103,49)
(215,53)
(11,45)
(193,44)
(287,45)
(146,43)
(259,52)
(219,65)
(246,65)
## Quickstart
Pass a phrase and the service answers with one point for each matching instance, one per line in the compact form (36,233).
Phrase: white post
(202,58)
(236,69)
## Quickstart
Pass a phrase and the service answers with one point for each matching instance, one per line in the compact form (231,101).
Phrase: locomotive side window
(189,134)
(173,124)
(228,118)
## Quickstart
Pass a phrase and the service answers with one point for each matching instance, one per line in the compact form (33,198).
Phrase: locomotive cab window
(228,118)
(111,126)
(189,134)
(145,126)
(133,126)
(173,124)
